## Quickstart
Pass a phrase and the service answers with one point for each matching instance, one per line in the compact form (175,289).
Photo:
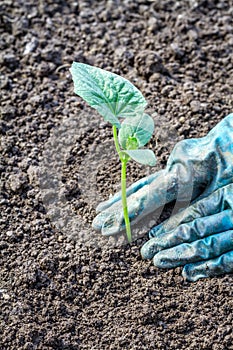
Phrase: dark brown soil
(58,292)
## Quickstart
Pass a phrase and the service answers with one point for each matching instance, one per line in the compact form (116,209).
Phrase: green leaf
(132,143)
(143,156)
(111,95)
(140,128)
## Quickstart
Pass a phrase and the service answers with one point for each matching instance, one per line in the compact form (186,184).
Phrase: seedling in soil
(114,98)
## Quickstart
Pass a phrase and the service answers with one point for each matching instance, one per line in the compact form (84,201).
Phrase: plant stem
(114,129)
(124,199)
(124,159)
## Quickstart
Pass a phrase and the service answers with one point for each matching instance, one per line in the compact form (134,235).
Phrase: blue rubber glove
(199,237)
(195,169)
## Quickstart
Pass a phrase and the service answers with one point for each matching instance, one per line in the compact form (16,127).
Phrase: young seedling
(115,97)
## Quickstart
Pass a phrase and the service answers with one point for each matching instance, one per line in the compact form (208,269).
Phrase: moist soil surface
(63,285)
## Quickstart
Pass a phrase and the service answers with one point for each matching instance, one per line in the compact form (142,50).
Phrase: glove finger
(203,249)
(189,232)
(109,218)
(111,221)
(215,267)
(130,190)
(216,202)
(146,200)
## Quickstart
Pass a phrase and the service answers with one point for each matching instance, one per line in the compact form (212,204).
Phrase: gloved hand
(195,169)
(199,237)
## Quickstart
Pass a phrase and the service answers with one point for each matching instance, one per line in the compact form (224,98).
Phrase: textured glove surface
(200,237)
